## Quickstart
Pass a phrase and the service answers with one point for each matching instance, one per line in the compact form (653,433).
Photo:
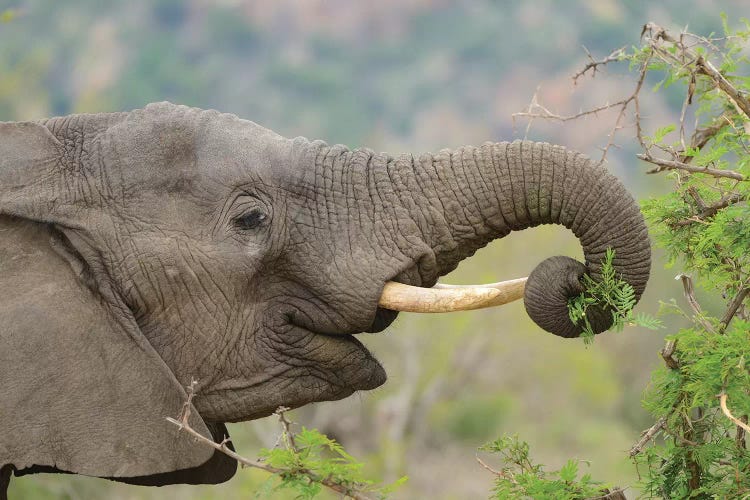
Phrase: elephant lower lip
(383,319)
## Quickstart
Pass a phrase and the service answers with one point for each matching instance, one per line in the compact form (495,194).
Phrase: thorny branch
(704,66)
(647,436)
(695,68)
(182,423)
(673,164)
(593,64)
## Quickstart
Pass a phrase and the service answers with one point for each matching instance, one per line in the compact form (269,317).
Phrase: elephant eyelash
(250,220)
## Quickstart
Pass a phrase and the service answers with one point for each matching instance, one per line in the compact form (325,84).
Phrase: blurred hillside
(395,75)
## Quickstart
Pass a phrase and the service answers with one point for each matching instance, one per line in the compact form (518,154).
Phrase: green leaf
(662,132)
(569,471)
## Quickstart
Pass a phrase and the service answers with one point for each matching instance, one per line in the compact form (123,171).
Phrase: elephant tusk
(449,298)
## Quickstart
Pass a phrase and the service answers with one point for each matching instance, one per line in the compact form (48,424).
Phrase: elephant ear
(82,389)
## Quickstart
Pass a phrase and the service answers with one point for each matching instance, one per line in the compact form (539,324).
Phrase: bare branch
(495,472)
(672,164)
(286,424)
(594,64)
(687,285)
(734,305)
(667,354)
(708,69)
(546,114)
(647,436)
(725,410)
(182,423)
(703,65)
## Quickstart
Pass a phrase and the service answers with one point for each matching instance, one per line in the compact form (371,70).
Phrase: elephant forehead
(173,146)
(241,151)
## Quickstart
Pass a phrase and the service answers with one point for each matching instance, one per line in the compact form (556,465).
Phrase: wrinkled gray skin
(141,250)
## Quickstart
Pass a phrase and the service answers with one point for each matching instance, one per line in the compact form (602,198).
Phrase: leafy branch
(703,224)
(520,477)
(306,462)
(610,293)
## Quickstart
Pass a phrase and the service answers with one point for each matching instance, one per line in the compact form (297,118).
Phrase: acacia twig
(667,354)
(689,290)
(678,165)
(593,64)
(182,423)
(703,65)
(495,472)
(725,410)
(734,305)
(549,115)
(647,436)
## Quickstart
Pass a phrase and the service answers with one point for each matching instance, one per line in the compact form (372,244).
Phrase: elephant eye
(250,220)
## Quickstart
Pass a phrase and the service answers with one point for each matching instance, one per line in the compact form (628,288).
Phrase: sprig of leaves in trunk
(611,293)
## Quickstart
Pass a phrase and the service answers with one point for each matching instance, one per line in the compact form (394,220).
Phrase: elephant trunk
(465,198)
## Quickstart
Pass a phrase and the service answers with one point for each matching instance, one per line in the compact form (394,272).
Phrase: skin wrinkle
(460,187)
(427,179)
(525,156)
(520,196)
(486,191)
(602,190)
(476,191)
(546,183)
(540,214)
(508,166)
(453,171)
(488,152)
(595,192)
(614,227)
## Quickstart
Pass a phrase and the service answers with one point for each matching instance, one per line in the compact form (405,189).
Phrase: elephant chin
(325,368)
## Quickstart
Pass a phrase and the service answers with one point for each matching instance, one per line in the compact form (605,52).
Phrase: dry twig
(593,64)
(667,354)
(674,164)
(647,436)
(734,305)
(725,410)
(687,285)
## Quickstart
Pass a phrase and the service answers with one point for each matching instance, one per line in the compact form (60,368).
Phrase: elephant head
(143,250)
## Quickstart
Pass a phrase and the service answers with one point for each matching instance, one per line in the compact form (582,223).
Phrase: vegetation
(704,226)
(611,293)
(700,398)
(521,478)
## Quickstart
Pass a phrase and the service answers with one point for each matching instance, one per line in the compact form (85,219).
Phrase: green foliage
(611,293)
(700,399)
(704,226)
(520,477)
(308,461)
(699,439)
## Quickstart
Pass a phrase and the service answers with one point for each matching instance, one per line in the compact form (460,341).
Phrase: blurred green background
(394,75)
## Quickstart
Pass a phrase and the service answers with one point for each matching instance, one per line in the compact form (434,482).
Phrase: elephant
(142,250)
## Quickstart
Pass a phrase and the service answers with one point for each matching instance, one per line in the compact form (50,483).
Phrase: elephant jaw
(449,298)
